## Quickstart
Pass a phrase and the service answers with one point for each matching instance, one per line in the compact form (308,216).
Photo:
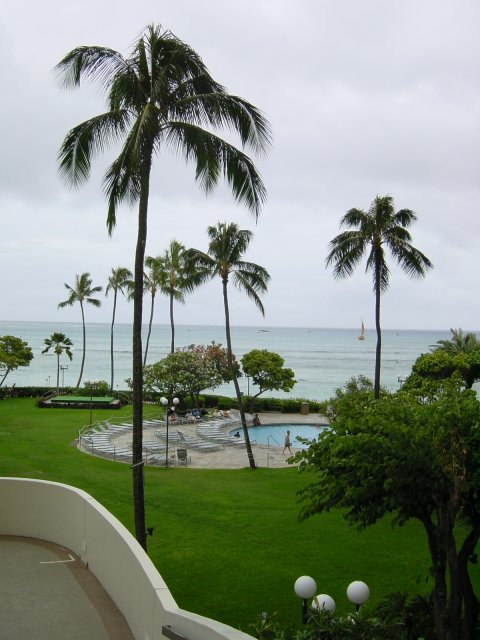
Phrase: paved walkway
(46,593)
(234,457)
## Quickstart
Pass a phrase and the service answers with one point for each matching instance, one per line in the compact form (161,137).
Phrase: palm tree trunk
(137,369)
(149,327)
(172,325)
(58,374)
(378,353)
(84,346)
(111,339)
(248,446)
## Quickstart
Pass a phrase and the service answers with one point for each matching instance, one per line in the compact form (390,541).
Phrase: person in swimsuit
(288,444)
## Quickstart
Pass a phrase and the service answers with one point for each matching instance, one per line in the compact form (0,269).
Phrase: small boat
(362,333)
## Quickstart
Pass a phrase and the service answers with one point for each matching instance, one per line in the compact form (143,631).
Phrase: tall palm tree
(59,343)
(82,291)
(460,342)
(151,285)
(226,248)
(162,96)
(376,230)
(118,282)
(177,278)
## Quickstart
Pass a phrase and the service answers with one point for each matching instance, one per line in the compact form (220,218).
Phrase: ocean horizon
(322,359)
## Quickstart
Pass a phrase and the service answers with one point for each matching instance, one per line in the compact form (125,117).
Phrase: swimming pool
(274,434)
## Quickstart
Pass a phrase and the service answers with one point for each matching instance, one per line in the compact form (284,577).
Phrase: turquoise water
(274,434)
(322,359)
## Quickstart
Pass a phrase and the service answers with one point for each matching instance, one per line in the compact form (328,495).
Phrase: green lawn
(228,543)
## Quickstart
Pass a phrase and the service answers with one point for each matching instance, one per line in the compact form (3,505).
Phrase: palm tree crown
(460,342)
(227,245)
(82,291)
(377,229)
(59,343)
(161,97)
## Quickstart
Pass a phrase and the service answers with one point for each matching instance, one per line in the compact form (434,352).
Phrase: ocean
(322,359)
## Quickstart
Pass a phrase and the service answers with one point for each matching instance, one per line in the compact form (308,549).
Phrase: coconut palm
(118,282)
(161,97)
(177,278)
(460,342)
(226,248)
(376,230)
(151,285)
(82,291)
(59,343)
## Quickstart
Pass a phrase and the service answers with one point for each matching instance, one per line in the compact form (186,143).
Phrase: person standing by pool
(288,444)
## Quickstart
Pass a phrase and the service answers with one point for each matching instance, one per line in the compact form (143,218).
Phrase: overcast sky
(364,98)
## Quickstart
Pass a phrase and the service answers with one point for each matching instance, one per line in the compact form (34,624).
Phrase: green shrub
(225,403)
(96,388)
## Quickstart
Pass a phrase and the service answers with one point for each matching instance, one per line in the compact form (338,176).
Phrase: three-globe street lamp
(306,587)
(164,402)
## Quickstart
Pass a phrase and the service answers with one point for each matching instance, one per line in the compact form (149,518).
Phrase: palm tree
(162,96)
(460,342)
(377,229)
(60,344)
(82,291)
(118,282)
(176,279)
(151,285)
(227,245)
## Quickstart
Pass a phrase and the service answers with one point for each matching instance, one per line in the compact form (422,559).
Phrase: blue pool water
(274,434)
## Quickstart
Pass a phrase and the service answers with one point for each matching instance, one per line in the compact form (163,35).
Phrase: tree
(59,343)
(176,279)
(162,96)
(460,342)
(186,372)
(442,364)
(82,291)
(267,371)
(226,248)
(118,282)
(14,353)
(377,229)
(151,285)
(412,460)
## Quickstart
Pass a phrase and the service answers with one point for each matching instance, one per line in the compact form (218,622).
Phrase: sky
(363,98)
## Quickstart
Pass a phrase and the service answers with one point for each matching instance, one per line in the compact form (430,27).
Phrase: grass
(227,542)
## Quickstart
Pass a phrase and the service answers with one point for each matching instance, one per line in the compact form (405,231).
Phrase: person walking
(288,444)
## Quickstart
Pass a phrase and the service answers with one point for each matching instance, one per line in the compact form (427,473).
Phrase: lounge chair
(183,457)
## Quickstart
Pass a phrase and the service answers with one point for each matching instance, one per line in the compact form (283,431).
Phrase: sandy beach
(233,457)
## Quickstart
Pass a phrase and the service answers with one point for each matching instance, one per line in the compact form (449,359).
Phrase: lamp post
(63,368)
(164,403)
(305,588)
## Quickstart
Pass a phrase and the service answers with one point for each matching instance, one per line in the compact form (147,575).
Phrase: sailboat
(362,332)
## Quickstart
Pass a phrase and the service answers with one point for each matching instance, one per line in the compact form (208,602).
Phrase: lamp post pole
(164,403)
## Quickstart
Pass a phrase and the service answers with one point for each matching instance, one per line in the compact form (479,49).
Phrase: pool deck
(236,457)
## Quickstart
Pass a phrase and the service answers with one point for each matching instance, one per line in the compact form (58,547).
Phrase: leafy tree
(267,371)
(374,231)
(186,372)
(82,291)
(59,344)
(224,259)
(460,342)
(408,459)
(441,365)
(118,282)
(161,97)
(219,355)
(14,353)
(176,279)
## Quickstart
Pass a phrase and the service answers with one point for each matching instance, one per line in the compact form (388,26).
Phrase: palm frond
(96,63)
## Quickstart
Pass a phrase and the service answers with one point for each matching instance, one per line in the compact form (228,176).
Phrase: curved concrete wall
(72,518)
